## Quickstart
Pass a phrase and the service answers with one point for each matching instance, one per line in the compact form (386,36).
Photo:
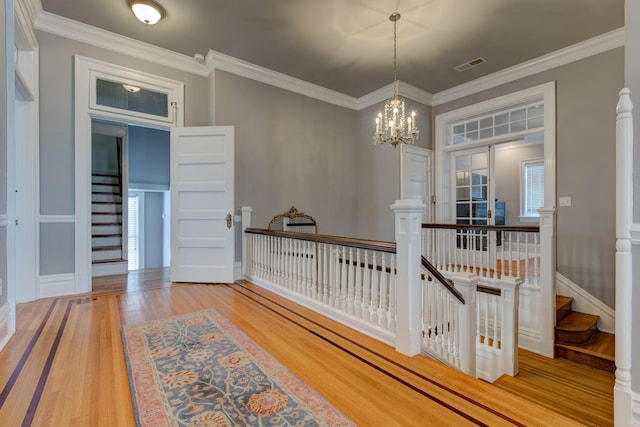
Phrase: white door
(416,179)
(202,237)
(473,198)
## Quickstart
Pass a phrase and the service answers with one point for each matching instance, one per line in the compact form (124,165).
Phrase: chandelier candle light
(391,128)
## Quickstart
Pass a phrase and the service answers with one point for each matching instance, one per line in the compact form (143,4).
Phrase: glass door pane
(472,195)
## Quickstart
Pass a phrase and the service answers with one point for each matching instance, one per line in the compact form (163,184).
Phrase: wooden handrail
(519,229)
(351,242)
(443,280)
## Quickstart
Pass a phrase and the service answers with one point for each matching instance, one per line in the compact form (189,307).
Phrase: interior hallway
(65,365)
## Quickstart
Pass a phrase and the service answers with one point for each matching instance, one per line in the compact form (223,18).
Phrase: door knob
(228,220)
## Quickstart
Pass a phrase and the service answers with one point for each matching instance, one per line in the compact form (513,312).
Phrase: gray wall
(290,150)
(149,155)
(104,155)
(56,133)
(3,151)
(378,172)
(586,98)
(632,81)
(508,178)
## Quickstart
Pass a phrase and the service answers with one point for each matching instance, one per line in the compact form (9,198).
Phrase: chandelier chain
(395,72)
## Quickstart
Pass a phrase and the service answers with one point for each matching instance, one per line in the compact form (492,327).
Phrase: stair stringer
(584,302)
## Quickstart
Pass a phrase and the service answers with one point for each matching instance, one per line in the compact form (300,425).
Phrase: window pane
(127,97)
(133,228)
(533,197)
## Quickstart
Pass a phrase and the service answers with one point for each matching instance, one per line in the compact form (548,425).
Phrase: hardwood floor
(65,365)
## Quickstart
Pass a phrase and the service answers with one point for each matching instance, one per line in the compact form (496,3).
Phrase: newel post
(509,300)
(624,259)
(246,223)
(547,280)
(467,285)
(408,225)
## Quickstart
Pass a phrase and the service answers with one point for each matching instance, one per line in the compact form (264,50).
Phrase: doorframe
(542,339)
(545,91)
(86,70)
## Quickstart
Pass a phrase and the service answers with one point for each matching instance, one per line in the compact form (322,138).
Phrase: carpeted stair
(578,338)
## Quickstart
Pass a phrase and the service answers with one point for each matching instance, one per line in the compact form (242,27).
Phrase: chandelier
(393,127)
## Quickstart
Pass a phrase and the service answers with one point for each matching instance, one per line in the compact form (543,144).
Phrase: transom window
(518,118)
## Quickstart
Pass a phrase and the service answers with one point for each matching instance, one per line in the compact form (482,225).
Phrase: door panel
(202,246)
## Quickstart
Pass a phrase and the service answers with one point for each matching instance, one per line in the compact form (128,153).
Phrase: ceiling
(347,45)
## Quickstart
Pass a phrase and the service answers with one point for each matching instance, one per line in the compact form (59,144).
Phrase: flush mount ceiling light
(131,88)
(147,11)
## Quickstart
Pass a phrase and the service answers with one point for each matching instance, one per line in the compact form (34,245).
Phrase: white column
(467,285)
(547,280)
(408,225)
(624,259)
(246,223)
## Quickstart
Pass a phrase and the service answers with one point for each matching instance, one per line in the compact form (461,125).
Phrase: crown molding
(404,89)
(220,61)
(25,12)
(593,46)
(54,24)
(84,33)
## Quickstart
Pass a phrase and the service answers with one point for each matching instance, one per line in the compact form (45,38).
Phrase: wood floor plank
(367,380)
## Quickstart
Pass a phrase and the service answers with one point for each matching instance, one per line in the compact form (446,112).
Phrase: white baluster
(375,290)
(366,288)
(382,310)
(337,288)
(393,280)
(536,260)
(358,285)
(518,258)
(350,282)
(344,281)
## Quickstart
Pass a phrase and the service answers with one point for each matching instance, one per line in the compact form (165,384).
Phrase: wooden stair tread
(106,203)
(601,344)
(106,223)
(577,322)
(107,235)
(107,248)
(108,261)
(562,301)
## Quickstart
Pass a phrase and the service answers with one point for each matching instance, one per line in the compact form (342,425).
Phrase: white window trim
(523,164)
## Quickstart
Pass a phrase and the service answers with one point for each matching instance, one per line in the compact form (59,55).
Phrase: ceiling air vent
(468,65)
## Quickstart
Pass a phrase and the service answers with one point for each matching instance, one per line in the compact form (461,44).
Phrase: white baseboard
(55,285)
(584,302)
(237,271)
(6,328)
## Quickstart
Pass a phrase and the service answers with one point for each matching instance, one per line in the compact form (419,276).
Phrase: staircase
(106,226)
(578,338)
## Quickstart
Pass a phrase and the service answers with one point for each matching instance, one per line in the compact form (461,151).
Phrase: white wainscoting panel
(529,333)
(55,285)
(635,409)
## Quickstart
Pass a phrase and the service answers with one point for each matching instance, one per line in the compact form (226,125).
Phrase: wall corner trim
(6,329)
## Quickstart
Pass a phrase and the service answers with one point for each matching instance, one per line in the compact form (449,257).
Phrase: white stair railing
(390,293)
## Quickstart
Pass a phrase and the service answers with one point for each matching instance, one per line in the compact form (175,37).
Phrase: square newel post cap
(408,206)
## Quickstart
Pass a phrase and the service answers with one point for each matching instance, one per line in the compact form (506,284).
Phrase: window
(531,188)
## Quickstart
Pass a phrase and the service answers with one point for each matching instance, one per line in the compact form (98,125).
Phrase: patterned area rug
(199,369)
